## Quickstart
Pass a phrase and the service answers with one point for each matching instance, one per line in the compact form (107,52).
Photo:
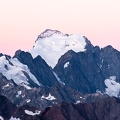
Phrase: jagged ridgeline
(60,68)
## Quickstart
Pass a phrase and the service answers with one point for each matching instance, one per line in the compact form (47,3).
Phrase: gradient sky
(21,21)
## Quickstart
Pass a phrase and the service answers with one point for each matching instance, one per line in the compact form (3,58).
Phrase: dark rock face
(80,72)
(84,74)
(1,54)
(6,108)
(38,68)
(49,32)
(87,71)
(40,98)
(104,109)
(9,110)
(23,115)
(110,62)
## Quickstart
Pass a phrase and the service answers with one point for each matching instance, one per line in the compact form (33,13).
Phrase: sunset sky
(21,21)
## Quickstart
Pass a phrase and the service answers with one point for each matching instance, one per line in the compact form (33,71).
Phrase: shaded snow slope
(13,69)
(51,45)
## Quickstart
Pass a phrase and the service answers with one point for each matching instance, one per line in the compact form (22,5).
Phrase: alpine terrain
(63,77)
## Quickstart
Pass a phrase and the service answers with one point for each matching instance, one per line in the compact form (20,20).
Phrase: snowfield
(13,69)
(52,45)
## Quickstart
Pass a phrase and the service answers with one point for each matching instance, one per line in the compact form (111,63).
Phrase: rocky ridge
(82,73)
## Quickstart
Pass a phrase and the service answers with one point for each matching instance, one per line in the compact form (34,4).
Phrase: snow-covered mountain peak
(53,47)
(49,33)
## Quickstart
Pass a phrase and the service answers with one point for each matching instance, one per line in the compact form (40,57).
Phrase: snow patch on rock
(49,97)
(77,102)
(5,86)
(66,64)
(58,79)
(13,118)
(19,93)
(25,86)
(113,87)
(28,100)
(32,113)
(1,118)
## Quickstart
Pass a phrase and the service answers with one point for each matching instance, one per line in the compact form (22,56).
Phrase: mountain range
(62,72)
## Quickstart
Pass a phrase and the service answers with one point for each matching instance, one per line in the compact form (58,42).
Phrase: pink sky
(21,21)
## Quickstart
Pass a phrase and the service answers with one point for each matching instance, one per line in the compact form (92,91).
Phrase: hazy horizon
(23,20)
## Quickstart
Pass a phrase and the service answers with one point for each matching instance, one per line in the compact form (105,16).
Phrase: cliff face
(105,108)
(87,71)
(9,111)
(102,107)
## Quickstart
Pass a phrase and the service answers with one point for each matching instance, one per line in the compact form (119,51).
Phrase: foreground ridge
(103,108)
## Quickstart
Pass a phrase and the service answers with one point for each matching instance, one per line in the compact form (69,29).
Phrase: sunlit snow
(52,47)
